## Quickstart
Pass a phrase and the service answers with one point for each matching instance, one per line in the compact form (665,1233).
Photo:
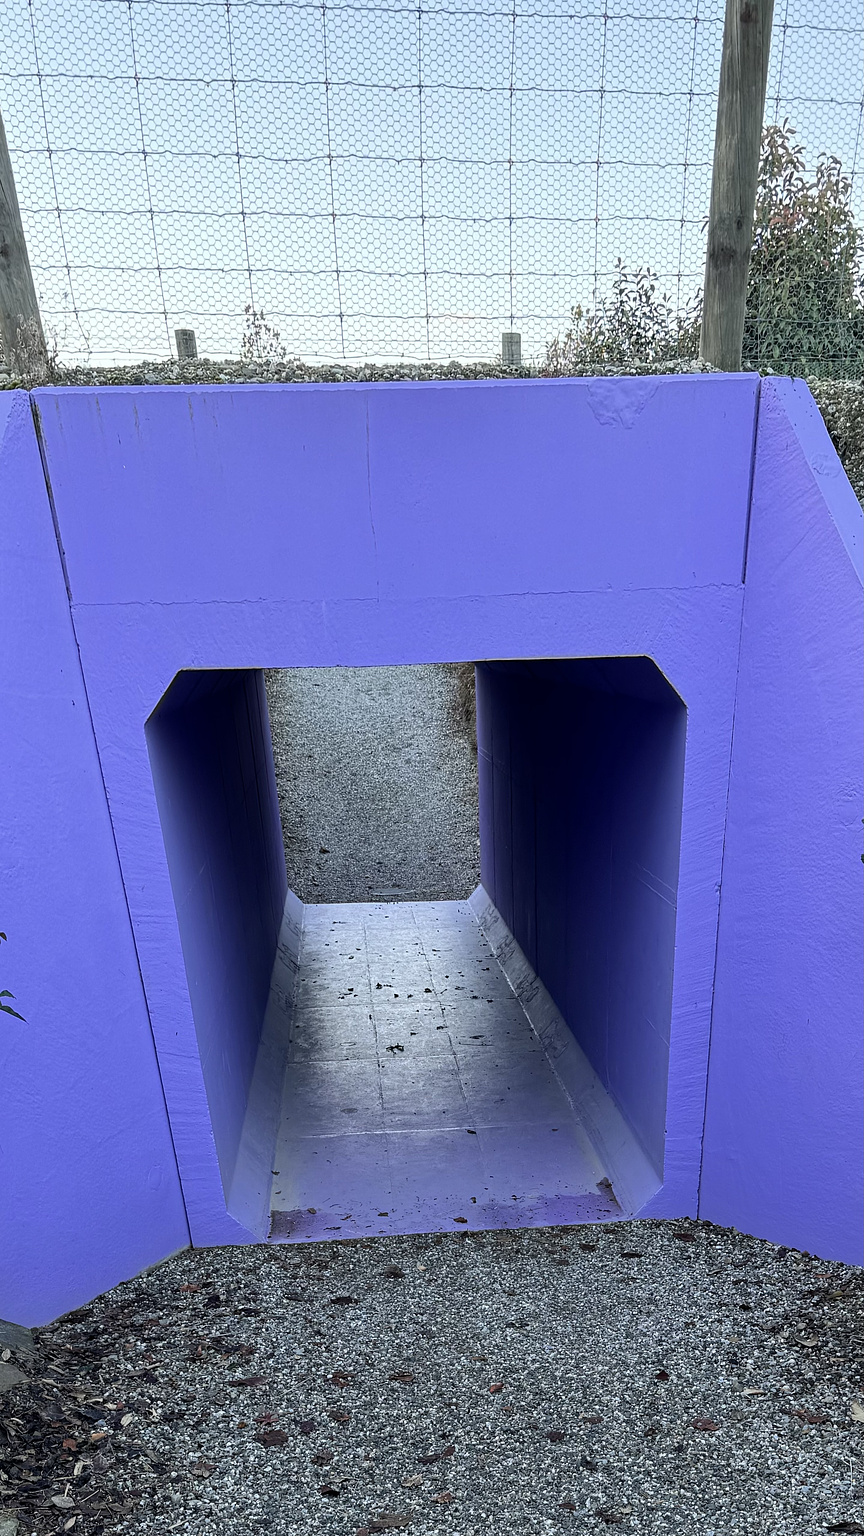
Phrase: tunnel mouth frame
(581,768)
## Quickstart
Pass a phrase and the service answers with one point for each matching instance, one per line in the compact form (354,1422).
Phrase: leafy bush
(805,294)
(805,306)
(841,402)
(635,325)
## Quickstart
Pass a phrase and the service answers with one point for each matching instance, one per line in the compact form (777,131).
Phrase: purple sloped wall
(89,1190)
(783,1154)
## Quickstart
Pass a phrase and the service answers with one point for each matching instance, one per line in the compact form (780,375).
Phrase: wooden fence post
(20,324)
(740,109)
(187,346)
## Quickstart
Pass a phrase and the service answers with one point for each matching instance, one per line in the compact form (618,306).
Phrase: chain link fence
(381,182)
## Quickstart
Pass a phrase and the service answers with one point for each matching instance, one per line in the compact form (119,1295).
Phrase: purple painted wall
(581,785)
(224,529)
(325,525)
(783,1150)
(89,1192)
(212,764)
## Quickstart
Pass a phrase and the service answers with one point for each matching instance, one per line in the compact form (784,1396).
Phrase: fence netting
(340,181)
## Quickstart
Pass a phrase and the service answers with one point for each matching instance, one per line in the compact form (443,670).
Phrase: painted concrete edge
(806,420)
(616,1154)
(249,1195)
(639,382)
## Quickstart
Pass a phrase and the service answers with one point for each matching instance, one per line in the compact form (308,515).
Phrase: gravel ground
(652,1377)
(376,770)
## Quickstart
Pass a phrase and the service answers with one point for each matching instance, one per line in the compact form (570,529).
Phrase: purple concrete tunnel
(660,582)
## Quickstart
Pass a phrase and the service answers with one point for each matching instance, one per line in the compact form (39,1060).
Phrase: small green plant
(4,1007)
(261,342)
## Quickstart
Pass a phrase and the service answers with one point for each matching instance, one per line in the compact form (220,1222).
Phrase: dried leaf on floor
(806,1415)
(433,1456)
(272,1437)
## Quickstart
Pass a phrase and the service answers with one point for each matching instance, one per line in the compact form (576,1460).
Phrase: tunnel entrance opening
(406,1063)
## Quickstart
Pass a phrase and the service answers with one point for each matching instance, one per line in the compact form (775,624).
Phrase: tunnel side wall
(209,744)
(783,1154)
(581,784)
(89,1189)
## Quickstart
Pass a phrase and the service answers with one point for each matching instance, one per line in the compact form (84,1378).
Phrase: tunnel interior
(395,1052)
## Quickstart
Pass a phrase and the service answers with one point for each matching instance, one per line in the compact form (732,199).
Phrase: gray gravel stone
(650,1377)
(376,770)
(13,1336)
(9,1375)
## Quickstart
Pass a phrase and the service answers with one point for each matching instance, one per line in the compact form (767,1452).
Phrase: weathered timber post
(20,325)
(740,109)
(187,346)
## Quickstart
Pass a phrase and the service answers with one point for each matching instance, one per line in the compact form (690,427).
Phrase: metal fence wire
(343,181)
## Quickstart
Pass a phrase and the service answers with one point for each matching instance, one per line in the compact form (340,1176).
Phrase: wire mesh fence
(383,181)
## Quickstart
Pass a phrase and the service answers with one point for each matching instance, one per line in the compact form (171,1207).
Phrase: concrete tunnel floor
(418,1097)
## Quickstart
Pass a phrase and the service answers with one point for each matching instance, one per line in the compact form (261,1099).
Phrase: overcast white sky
(212,179)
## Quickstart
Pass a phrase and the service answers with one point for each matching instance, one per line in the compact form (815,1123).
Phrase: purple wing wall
(783,1153)
(84,1134)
